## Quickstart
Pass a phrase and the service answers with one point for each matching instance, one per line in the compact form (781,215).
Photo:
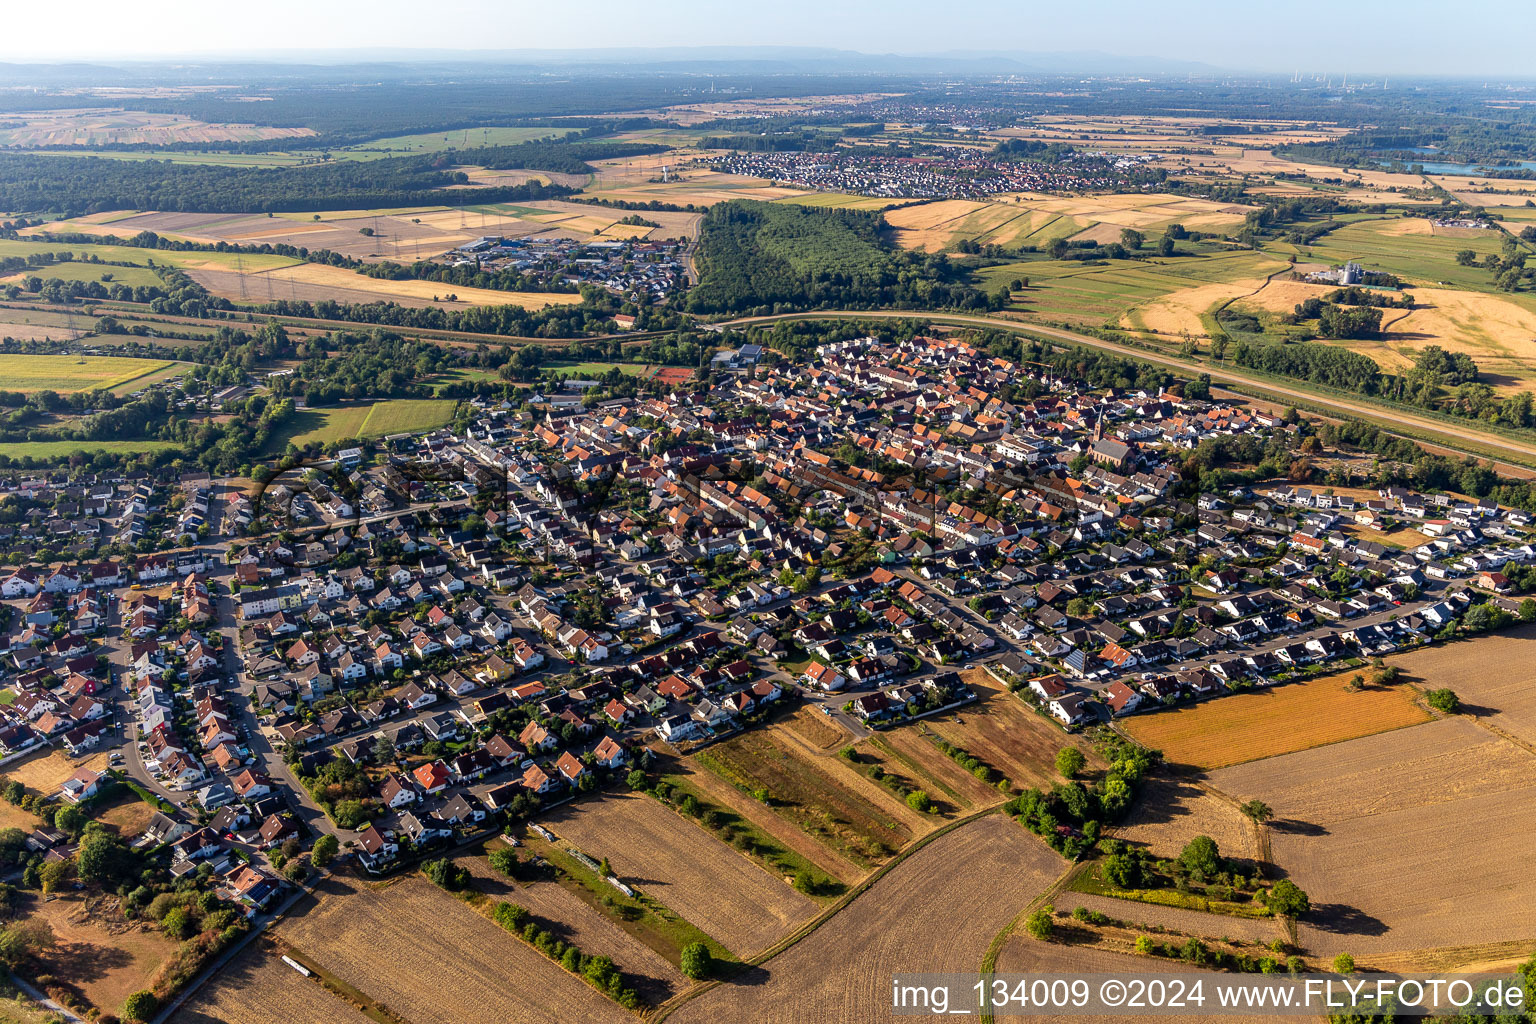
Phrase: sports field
(1277,720)
(67,374)
(379,419)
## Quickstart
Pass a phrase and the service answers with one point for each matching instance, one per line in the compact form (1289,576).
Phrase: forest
(79,185)
(773,257)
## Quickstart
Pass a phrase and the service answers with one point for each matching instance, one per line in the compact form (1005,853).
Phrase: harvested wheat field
(1496,330)
(1495,677)
(1004,732)
(99,951)
(1188,309)
(1275,720)
(935,911)
(315,282)
(689,871)
(563,914)
(1171,811)
(256,987)
(1024,955)
(430,958)
(1406,840)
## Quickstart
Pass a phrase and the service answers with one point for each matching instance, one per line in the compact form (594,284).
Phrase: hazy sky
(1336,36)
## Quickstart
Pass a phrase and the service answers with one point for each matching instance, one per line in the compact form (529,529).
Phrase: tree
(1528,609)
(1201,854)
(325,848)
(1286,899)
(919,801)
(141,1006)
(1070,761)
(1041,924)
(24,940)
(504,860)
(1343,964)
(1444,701)
(696,961)
(1131,238)
(102,858)
(383,749)
(1257,811)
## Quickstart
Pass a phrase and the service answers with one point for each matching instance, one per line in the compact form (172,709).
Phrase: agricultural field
(820,795)
(100,126)
(1029,218)
(1171,811)
(64,449)
(839,200)
(565,914)
(90,272)
(315,282)
(432,142)
(638,179)
(1003,732)
(936,911)
(1022,954)
(1410,247)
(378,419)
(1163,295)
(802,846)
(1240,727)
(69,374)
(909,753)
(687,870)
(256,987)
(401,234)
(99,952)
(433,959)
(1404,840)
(132,256)
(1494,675)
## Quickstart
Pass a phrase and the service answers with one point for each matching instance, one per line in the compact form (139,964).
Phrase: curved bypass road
(1444,432)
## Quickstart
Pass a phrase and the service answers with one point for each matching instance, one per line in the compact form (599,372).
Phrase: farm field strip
(66,374)
(686,869)
(435,960)
(1442,816)
(256,987)
(936,910)
(562,913)
(800,792)
(1240,727)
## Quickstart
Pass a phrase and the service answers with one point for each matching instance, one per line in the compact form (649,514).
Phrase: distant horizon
(1131,35)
